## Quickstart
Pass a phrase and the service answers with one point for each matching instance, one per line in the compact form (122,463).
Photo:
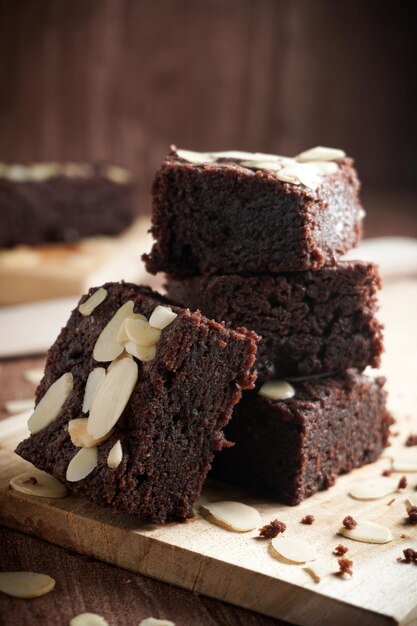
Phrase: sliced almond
(274,166)
(143,353)
(115,456)
(287,176)
(82,464)
(38,483)
(87,307)
(316,570)
(326,167)
(33,375)
(373,489)
(405,461)
(321,153)
(277,390)
(307,174)
(118,174)
(18,406)
(80,438)
(294,549)
(25,584)
(88,619)
(195,157)
(234,515)
(94,380)
(124,355)
(51,404)
(107,347)
(153,621)
(112,397)
(141,332)
(162,316)
(121,335)
(367,532)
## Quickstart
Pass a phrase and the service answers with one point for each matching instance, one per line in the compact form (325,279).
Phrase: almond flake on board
(38,483)
(112,397)
(374,488)
(50,405)
(405,461)
(321,153)
(294,549)
(77,430)
(25,584)
(107,348)
(19,406)
(82,464)
(234,515)
(87,307)
(367,532)
(115,456)
(94,380)
(88,619)
(277,390)
(161,317)
(153,621)
(33,375)
(316,570)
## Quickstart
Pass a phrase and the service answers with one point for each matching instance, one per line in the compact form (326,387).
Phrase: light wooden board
(238,568)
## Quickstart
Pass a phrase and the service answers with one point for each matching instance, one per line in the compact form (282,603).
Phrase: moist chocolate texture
(174,419)
(63,208)
(311,322)
(224,218)
(288,450)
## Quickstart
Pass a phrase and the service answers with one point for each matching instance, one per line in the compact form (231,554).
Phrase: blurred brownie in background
(43,203)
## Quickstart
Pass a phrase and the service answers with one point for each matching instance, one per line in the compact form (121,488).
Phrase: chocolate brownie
(156,413)
(310,322)
(49,202)
(233,213)
(289,449)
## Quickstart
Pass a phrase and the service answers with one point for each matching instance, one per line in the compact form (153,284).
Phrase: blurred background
(120,80)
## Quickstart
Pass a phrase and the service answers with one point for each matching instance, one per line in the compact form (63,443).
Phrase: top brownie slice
(134,400)
(234,213)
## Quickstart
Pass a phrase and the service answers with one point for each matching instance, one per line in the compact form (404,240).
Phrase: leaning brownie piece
(289,449)
(134,400)
(49,202)
(310,322)
(234,212)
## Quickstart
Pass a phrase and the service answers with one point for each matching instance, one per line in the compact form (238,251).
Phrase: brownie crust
(289,450)
(63,208)
(310,323)
(224,218)
(173,421)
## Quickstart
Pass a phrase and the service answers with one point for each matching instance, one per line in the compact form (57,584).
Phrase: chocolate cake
(310,322)
(51,202)
(237,213)
(134,400)
(289,449)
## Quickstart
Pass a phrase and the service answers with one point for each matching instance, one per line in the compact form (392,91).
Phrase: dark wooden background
(122,79)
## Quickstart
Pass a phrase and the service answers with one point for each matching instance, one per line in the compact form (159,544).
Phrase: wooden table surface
(83,584)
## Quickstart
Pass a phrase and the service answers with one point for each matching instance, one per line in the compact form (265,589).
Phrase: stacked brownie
(255,240)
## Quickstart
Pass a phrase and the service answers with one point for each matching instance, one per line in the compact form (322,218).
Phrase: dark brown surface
(87,585)
(223,218)
(310,322)
(289,450)
(174,419)
(64,208)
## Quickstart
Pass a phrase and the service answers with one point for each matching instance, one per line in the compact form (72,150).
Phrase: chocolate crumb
(30,481)
(391,502)
(340,550)
(271,530)
(387,472)
(308,519)
(403,483)
(345,567)
(410,556)
(412,515)
(411,440)
(349,522)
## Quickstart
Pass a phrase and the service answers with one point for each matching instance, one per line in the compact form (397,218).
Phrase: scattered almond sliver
(277,390)
(234,515)
(153,621)
(367,532)
(52,402)
(107,348)
(115,456)
(94,380)
(80,437)
(33,375)
(82,464)
(38,483)
(316,570)
(143,353)
(405,462)
(19,406)
(25,584)
(87,307)
(162,317)
(140,332)
(374,488)
(294,549)
(88,619)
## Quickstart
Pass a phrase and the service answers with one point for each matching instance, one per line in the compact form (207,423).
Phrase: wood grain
(240,569)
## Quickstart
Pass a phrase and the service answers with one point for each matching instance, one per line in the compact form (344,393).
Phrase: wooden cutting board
(239,568)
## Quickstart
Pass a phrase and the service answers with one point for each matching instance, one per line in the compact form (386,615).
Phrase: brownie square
(63,202)
(290,449)
(229,215)
(310,322)
(174,412)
